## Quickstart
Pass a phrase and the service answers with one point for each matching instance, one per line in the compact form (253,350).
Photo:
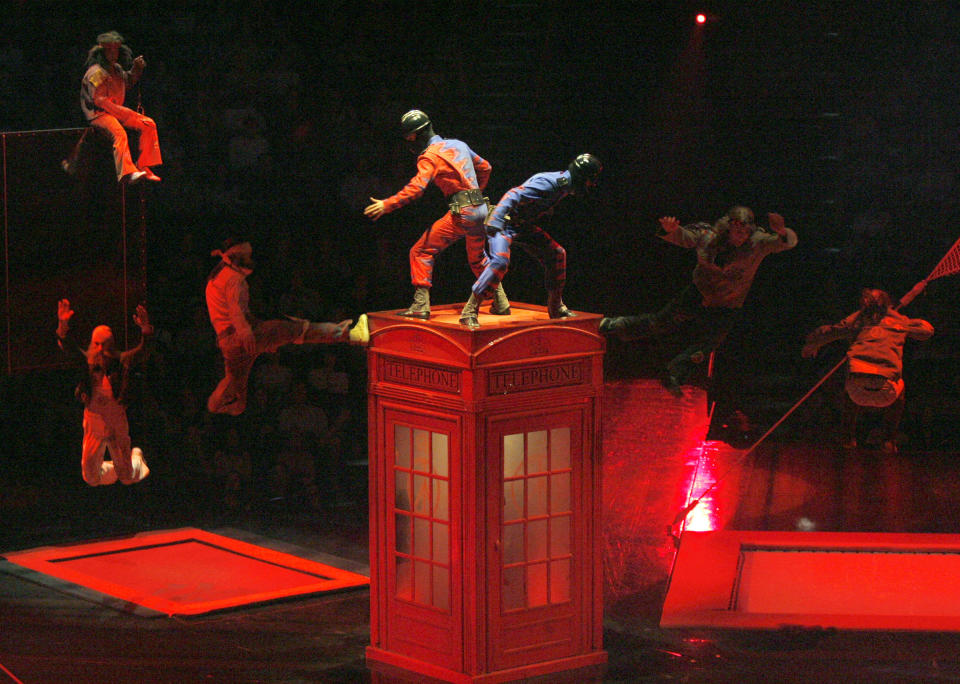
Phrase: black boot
(671,383)
(500,305)
(626,327)
(556,308)
(611,325)
(421,304)
(468,316)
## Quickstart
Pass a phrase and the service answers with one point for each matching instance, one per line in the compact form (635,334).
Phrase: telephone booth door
(423,539)
(535,606)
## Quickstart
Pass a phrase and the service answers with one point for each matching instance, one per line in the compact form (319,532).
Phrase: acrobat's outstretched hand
(375,210)
(64,314)
(777,224)
(142,319)
(669,224)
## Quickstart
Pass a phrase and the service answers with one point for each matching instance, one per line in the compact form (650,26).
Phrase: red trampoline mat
(746,579)
(186,571)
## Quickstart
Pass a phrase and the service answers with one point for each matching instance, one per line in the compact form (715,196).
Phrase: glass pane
(421,494)
(537,451)
(513,594)
(401,445)
(402,531)
(421,538)
(537,540)
(559,581)
(441,588)
(421,582)
(404,578)
(559,448)
(512,455)
(441,543)
(513,544)
(441,504)
(560,493)
(421,450)
(536,585)
(441,454)
(401,490)
(536,496)
(559,536)
(513,500)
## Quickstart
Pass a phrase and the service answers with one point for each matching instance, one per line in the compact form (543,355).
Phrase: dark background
(841,116)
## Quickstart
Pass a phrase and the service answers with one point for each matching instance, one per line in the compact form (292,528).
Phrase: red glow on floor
(700,486)
(649,436)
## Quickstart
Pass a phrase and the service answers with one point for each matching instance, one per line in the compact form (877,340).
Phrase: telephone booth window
(537,512)
(421,471)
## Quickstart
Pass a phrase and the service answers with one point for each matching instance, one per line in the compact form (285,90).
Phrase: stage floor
(794,481)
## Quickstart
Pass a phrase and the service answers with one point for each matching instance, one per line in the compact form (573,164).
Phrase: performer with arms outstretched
(877,333)
(103,389)
(461,174)
(729,253)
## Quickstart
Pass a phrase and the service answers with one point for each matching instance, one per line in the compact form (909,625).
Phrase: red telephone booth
(485,495)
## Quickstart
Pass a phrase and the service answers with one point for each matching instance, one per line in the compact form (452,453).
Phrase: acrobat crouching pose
(516,218)
(103,389)
(461,174)
(877,333)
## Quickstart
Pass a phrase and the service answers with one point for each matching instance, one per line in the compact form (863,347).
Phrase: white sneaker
(139,463)
(107,474)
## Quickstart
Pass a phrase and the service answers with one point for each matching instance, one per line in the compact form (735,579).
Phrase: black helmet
(412,123)
(585,171)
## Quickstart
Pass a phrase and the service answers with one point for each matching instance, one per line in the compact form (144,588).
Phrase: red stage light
(701,18)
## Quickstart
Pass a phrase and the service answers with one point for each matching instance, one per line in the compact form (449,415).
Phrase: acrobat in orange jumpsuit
(103,391)
(103,92)
(461,174)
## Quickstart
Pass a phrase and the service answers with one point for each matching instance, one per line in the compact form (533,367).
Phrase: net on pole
(949,264)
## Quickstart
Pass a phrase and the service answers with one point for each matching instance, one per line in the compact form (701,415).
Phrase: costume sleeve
(413,190)
(693,235)
(68,345)
(237,294)
(825,334)
(500,212)
(771,242)
(136,354)
(133,75)
(536,188)
(98,79)
(917,328)
(483,169)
